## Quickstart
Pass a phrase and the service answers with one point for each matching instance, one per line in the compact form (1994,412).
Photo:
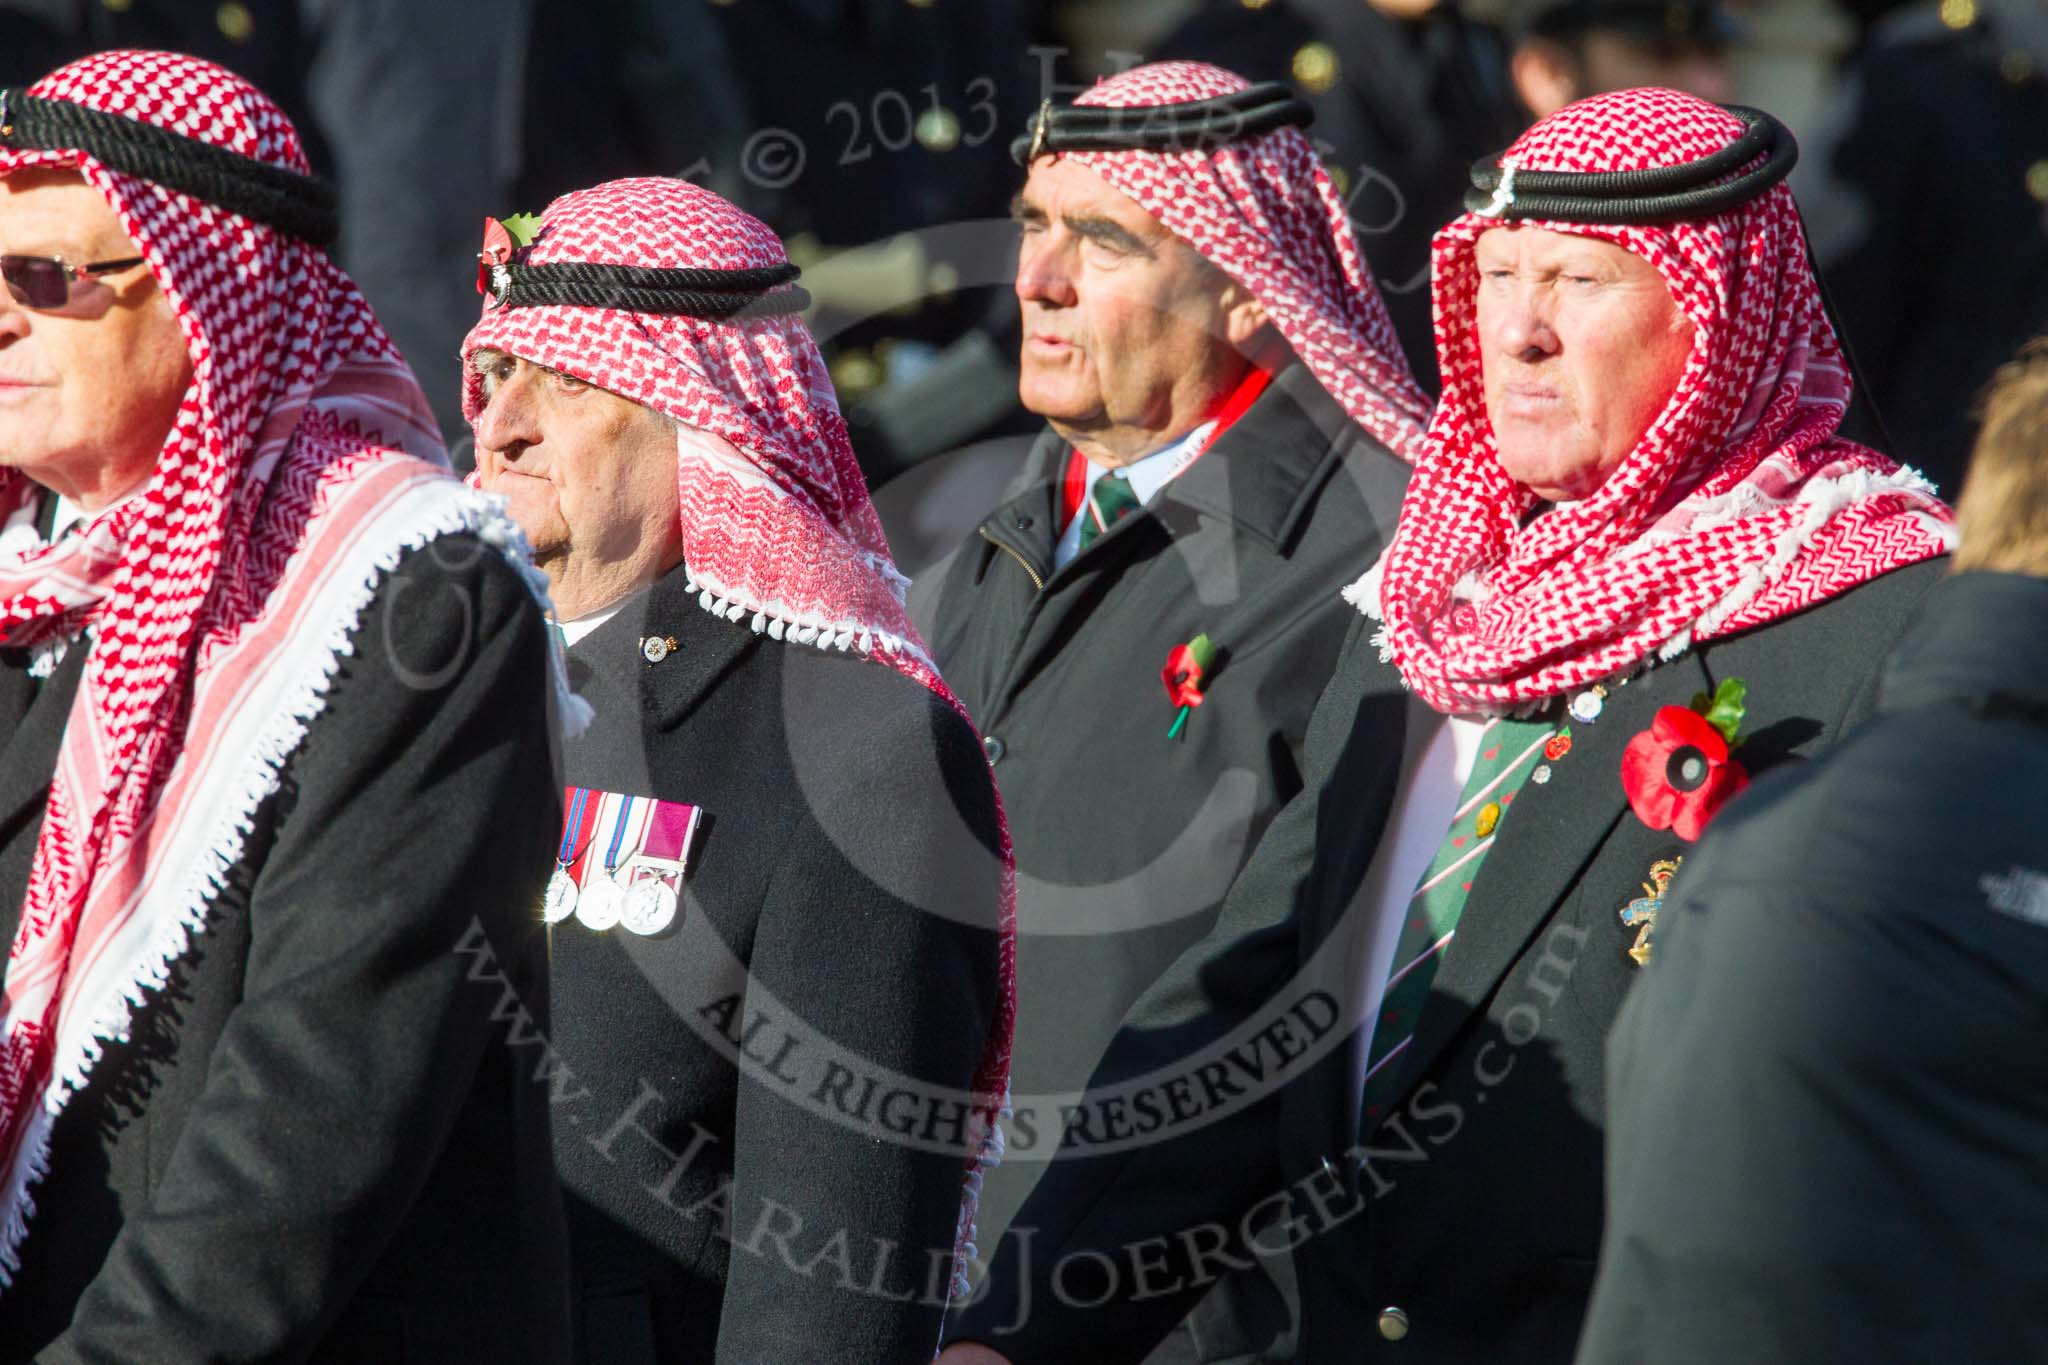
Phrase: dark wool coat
(1126,839)
(321,1142)
(1463,1226)
(738,1098)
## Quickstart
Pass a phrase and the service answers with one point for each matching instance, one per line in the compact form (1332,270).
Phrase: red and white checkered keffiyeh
(1264,212)
(777,527)
(219,598)
(1740,504)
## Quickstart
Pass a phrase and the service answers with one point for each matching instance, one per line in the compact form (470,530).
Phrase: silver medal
(560,901)
(598,908)
(650,906)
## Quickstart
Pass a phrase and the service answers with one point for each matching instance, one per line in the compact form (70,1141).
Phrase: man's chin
(531,505)
(1057,403)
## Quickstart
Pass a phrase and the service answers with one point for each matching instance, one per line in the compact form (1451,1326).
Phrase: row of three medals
(628,879)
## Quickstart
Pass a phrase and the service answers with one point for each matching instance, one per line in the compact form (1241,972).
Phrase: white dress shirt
(1433,776)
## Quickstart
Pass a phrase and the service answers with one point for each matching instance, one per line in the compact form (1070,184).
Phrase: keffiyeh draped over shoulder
(302,465)
(777,528)
(1263,211)
(1739,505)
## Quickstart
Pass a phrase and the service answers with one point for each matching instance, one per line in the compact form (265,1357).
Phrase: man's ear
(1244,317)
(1546,75)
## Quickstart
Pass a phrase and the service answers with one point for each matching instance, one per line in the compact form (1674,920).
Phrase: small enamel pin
(1640,914)
(655,648)
(1554,749)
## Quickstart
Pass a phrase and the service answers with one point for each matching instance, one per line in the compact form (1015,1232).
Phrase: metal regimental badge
(1640,914)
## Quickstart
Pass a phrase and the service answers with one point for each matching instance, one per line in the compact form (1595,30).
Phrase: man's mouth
(1529,400)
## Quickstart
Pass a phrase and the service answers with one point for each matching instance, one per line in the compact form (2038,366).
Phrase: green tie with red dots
(1509,751)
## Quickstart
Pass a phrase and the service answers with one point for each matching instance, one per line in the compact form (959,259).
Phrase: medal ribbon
(579,823)
(623,832)
(669,831)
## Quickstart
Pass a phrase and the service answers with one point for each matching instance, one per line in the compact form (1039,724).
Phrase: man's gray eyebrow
(1106,230)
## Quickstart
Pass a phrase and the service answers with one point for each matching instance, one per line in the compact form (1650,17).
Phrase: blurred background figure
(844,123)
(1930,215)
(872,134)
(1828,1097)
(1565,50)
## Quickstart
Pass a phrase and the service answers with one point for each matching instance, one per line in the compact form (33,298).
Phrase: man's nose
(1045,274)
(1522,326)
(507,423)
(14,322)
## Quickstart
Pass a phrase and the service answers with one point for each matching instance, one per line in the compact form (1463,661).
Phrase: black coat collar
(612,662)
(28,758)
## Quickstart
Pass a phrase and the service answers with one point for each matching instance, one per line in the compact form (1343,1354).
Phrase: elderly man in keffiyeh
(1637,565)
(781,915)
(273,690)
(1142,627)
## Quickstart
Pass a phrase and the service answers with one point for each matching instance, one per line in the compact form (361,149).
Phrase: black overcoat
(1126,839)
(732,1094)
(323,1140)
(1463,1226)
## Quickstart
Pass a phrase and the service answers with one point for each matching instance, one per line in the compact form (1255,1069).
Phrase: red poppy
(497,250)
(1558,746)
(1677,773)
(1183,672)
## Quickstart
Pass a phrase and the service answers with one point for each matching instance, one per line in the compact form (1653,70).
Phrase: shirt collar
(575,630)
(1150,473)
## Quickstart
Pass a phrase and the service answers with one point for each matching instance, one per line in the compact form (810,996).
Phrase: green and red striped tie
(1509,750)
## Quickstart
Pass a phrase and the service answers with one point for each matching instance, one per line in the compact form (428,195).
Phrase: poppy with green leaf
(1186,674)
(1678,773)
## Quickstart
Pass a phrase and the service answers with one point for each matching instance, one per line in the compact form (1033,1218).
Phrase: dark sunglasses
(45,281)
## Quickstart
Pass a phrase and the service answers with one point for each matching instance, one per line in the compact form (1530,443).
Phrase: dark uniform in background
(1935,238)
(266,42)
(1829,1095)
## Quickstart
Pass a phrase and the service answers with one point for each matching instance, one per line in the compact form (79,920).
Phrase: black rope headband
(1196,126)
(298,205)
(1666,194)
(716,295)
